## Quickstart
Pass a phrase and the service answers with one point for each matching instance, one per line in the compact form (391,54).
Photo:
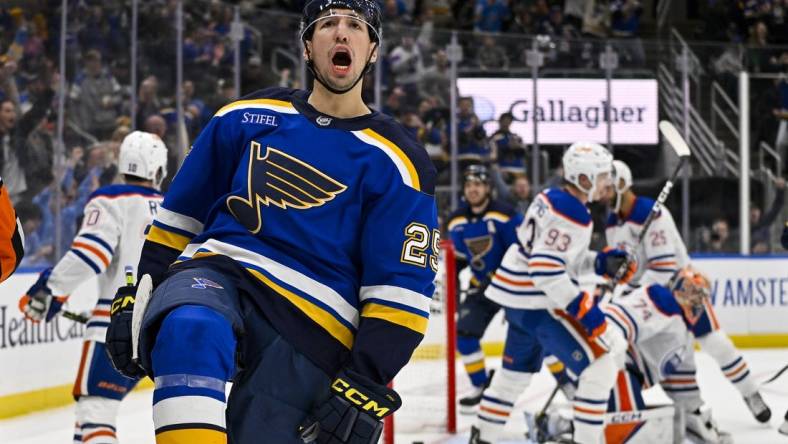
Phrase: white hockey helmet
(622,181)
(143,155)
(586,159)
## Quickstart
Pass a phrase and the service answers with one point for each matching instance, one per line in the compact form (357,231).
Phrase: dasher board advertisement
(569,110)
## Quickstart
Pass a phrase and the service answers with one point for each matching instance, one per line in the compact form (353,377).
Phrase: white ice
(136,426)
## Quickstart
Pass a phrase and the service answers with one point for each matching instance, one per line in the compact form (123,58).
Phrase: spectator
(718,239)
(156,125)
(255,77)
(507,147)
(14,154)
(148,102)
(625,27)
(573,12)
(517,195)
(35,254)
(436,81)
(781,113)
(492,56)
(523,22)
(395,11)
(760,224)
(491,15)
(472,143)
(95,97)
(407,65)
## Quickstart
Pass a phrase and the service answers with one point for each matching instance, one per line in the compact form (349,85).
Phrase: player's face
(603,182)
(475,192)
(340,47)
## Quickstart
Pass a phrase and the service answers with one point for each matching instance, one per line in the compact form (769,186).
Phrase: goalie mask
(143,155)
(690,287)
(622,181)
(365,11)
(591,160)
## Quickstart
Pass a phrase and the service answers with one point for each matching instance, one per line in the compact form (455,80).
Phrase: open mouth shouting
(341,60)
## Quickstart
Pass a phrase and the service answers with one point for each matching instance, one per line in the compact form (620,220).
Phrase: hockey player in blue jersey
(481,230)
(293,254)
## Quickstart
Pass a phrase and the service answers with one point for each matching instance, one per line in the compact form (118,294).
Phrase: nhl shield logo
(202,284)
(323,121)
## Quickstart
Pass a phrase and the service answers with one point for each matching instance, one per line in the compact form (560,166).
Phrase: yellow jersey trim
(271,104)
(387,144)
(495,215)
(403,318)
(323,318)
(456,221)
(180,436)
(167,238)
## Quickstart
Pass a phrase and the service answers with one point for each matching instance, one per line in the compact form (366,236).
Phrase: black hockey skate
(758,407)
(476,437)
(468,404)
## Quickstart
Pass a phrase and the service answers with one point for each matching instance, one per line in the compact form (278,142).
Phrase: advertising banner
(568,110)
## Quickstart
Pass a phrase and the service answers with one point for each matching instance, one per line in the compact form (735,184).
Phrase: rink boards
(38,362)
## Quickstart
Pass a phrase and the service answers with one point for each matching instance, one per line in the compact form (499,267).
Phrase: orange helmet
(690,287)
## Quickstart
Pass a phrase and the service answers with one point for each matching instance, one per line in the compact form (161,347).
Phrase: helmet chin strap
(311,66)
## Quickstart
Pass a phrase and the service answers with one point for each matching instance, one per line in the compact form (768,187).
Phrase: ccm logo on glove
(356,397)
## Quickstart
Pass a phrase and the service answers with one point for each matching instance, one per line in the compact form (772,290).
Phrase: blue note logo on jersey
(277,178)
(479,246)
(202,284)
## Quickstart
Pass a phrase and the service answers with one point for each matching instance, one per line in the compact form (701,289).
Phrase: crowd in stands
(414,69)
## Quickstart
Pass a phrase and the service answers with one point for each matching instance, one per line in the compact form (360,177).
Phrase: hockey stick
(76,317)
(542,434)
(776,375)
(678,144)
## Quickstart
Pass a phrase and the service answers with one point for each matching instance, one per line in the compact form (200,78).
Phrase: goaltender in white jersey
(110,238)
(660,255)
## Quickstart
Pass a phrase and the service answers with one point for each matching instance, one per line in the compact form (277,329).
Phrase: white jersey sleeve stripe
(179,221)
(396,295)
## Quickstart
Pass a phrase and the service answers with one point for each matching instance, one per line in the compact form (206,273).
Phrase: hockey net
(427,384)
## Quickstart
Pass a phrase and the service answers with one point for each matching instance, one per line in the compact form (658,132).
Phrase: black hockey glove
(478,291)
(122,333)
(353,413)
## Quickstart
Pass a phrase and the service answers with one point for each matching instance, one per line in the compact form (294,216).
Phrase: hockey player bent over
(547,311)
(294,254)
(660,255)
(481,231)
(657,321)
(110,239)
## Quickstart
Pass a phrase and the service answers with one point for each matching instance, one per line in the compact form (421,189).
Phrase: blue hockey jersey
(482,239)
(336,216)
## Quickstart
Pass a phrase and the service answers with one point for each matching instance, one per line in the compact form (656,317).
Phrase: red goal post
(427,384)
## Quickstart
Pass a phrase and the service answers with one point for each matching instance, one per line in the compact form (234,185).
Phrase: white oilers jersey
(656,329)
(660,254)
(111,237)
(542,270)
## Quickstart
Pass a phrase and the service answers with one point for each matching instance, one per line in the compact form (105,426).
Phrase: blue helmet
(368,11)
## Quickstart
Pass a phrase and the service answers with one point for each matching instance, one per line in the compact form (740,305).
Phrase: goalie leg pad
(640,426)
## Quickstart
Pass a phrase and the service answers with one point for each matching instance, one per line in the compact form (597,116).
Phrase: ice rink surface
(136,426)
